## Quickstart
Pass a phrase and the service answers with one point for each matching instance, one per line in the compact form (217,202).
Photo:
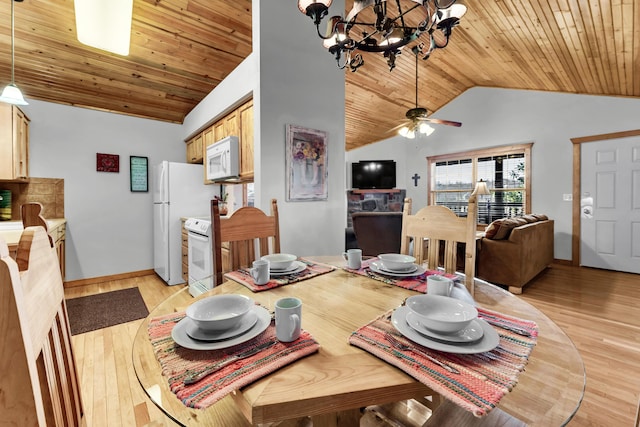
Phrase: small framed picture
(107,162)
(306,164)
(139,173)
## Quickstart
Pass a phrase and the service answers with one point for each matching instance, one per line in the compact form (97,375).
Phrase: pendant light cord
(13,55)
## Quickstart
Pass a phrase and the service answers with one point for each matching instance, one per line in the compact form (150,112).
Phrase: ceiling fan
(418,122)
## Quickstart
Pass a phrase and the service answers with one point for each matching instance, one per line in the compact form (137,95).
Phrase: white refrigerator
(178,191)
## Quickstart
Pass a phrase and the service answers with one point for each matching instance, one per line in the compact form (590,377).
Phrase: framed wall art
(139,173)
(306,164)
(107,162)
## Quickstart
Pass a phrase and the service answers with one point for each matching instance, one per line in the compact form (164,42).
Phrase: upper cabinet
(238,122)
(194,149)
(14,143)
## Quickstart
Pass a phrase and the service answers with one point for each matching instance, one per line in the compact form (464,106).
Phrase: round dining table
(333,384)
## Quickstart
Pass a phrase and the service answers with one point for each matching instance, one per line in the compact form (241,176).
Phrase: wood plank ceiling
(181,49)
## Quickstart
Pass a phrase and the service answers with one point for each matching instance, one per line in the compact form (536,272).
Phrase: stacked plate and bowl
(220,321)
(445,324)
(396,265)
(283,264)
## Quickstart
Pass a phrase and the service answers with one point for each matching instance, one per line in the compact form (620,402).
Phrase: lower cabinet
(185,253)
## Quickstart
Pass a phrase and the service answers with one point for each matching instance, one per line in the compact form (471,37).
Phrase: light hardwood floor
(598,309)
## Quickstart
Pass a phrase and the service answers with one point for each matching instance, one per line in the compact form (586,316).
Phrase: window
(452,178)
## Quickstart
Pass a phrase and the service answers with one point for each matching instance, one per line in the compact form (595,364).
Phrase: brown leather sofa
(515,250)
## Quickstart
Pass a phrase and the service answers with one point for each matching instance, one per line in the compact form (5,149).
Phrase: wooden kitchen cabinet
(246,140)
(195,149)
(14,143)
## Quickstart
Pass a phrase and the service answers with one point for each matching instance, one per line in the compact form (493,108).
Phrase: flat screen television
(373,174)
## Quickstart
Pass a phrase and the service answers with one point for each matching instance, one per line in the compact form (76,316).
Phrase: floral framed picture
(306,164)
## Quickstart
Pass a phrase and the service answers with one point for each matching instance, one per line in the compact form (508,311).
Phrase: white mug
(439,285)
(288,318)
(353,258)
(260,272)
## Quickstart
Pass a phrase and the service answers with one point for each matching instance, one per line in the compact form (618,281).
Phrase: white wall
(300,85)
(493,117)
(293,81)
(109,228)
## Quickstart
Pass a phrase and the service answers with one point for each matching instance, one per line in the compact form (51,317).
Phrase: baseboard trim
(101,279)
(562,261)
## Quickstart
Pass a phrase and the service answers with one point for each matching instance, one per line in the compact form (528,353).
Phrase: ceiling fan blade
(442,122)
(395,128)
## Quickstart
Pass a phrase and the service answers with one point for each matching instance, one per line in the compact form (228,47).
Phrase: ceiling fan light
(425,129)
(12,95)
(104,24)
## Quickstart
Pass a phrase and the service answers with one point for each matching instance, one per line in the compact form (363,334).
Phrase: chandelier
(384,27)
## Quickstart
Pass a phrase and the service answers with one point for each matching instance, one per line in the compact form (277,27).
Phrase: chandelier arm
(320,34)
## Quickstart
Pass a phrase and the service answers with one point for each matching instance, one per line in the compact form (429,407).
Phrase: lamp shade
(12,95)
(104,24)
(481,188)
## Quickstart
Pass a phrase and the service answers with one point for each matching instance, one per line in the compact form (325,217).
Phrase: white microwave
(223,159)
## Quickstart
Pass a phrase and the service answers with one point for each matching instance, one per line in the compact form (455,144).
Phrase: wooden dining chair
(249,232)
(437,224)
(30,213)
(39,383)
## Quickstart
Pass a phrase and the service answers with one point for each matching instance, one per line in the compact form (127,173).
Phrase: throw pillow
(492,228)
(541,217)
(530,218)
(507,225)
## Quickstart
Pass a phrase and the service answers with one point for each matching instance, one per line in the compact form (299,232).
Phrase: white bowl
(219,312)
(280,261)
(397,262)
(442,314)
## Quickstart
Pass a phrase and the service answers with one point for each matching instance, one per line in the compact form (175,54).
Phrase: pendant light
(11,94)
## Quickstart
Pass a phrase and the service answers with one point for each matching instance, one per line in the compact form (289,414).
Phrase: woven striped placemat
(177,362)
(483,378)
(312,269)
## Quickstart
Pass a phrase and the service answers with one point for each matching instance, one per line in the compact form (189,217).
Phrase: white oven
(223,159)
(200,255)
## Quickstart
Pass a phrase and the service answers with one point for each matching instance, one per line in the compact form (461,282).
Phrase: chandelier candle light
(11,94)
(377,26)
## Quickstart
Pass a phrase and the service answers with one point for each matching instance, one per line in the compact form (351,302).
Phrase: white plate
(376,267)
(411,269)
(297,268)
(180,336)
(489,340)
(246,322)
(471,333)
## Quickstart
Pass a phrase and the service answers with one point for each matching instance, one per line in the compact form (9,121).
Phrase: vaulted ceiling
(181,49)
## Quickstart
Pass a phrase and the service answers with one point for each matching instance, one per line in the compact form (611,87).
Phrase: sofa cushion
(541,217)
(530,218)
(503,228)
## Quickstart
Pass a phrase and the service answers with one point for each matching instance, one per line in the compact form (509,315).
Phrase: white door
(610,204)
